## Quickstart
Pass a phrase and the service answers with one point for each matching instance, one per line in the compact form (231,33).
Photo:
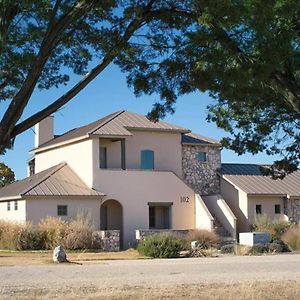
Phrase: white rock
(59,254)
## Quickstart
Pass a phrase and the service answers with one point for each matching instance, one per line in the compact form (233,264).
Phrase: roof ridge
(114,115)
(55,169)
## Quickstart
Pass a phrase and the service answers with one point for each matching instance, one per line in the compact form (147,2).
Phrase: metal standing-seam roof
(117,124)
(59,180)
(193,138)
(249,179)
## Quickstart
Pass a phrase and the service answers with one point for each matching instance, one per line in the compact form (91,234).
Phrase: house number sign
(184,199)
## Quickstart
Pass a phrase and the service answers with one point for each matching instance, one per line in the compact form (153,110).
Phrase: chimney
(43,131)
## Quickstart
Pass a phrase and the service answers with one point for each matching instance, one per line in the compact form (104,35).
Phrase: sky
(109,93)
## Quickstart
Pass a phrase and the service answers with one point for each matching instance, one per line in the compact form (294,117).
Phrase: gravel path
(152,273)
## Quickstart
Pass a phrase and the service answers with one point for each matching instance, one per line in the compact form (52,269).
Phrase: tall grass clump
(205,239)
(292,238)
(79,232)
(52,231)
(160,246)
(19,236)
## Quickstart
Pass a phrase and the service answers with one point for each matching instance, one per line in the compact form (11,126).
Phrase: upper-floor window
(8,205)
(201,156)
(103,158)
(147,160)
(31,165)
(16,205)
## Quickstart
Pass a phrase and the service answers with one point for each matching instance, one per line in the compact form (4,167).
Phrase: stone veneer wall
(109,240)
(141,234)
(292,209)
(201,176)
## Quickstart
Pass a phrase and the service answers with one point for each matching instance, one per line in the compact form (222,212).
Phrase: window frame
(8,206)
(258,209)
(62,207)
(204,160)
(16,205)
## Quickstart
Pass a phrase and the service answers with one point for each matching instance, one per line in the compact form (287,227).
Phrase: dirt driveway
(147,274)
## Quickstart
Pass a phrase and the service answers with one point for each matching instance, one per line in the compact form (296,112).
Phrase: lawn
(13,258)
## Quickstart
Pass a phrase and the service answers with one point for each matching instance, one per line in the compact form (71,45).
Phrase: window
(62,210)
(16,205)
(103,158)
(201,156)
(159,215)
(258,209)
(277,209)
(147,160)
(31,165)
(8,205)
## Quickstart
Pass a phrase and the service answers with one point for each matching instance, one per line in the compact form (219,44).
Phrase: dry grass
(246,291)
(292,238)
(19,258)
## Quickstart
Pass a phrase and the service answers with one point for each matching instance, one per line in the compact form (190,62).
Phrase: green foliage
(226,249)
(160,246)
(7,175)
(205,239)
(275,227)
(292,238)
(258,249)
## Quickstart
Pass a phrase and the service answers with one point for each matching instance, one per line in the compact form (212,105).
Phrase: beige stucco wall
(238,202)
(13,215)
(134,189)
(79,156)
(113,152)
(267,205)
(37,209)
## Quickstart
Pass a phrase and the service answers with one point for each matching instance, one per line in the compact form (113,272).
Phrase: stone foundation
(108,240)
(292,209)
(201,176)
(141,234)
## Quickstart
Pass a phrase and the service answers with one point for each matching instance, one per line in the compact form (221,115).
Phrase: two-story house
(127,172)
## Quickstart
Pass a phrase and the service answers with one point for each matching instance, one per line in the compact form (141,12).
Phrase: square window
(258,209)
(62,210)
(8,205)
(277,209)
(201,156)
(16,205)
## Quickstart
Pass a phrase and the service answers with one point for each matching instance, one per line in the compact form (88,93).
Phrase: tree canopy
(244,53)
(7,175)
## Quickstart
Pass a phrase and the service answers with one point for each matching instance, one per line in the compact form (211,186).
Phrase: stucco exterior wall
(166,147)
(238,202)
(18,215)
(134,189)
(113,152)
(37,209)
(79,156)
(268,207)
(201,176)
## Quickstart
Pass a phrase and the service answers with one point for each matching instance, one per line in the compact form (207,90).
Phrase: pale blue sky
(109,93)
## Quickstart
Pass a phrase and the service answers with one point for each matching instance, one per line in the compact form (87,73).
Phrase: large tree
(7,175)
(244,53)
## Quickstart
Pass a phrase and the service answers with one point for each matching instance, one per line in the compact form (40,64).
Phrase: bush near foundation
(206,239)
(292,238)
(275,228)
(160,246)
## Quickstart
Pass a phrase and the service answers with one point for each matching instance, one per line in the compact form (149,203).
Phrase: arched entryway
(111,217)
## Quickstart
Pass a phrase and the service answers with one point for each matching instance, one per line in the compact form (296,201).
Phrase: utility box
(254,238)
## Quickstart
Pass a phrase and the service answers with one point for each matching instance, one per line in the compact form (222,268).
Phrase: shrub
(206,239)
(292,238)
(52,231)
(241,250)
(227,249)
(79,233)
(275,228)
(160,246)
(258,249)
(19,236)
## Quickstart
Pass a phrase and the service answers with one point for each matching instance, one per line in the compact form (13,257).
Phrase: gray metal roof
(117,124)
(59,180)
(249,179)
(193,138)
(241,169)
